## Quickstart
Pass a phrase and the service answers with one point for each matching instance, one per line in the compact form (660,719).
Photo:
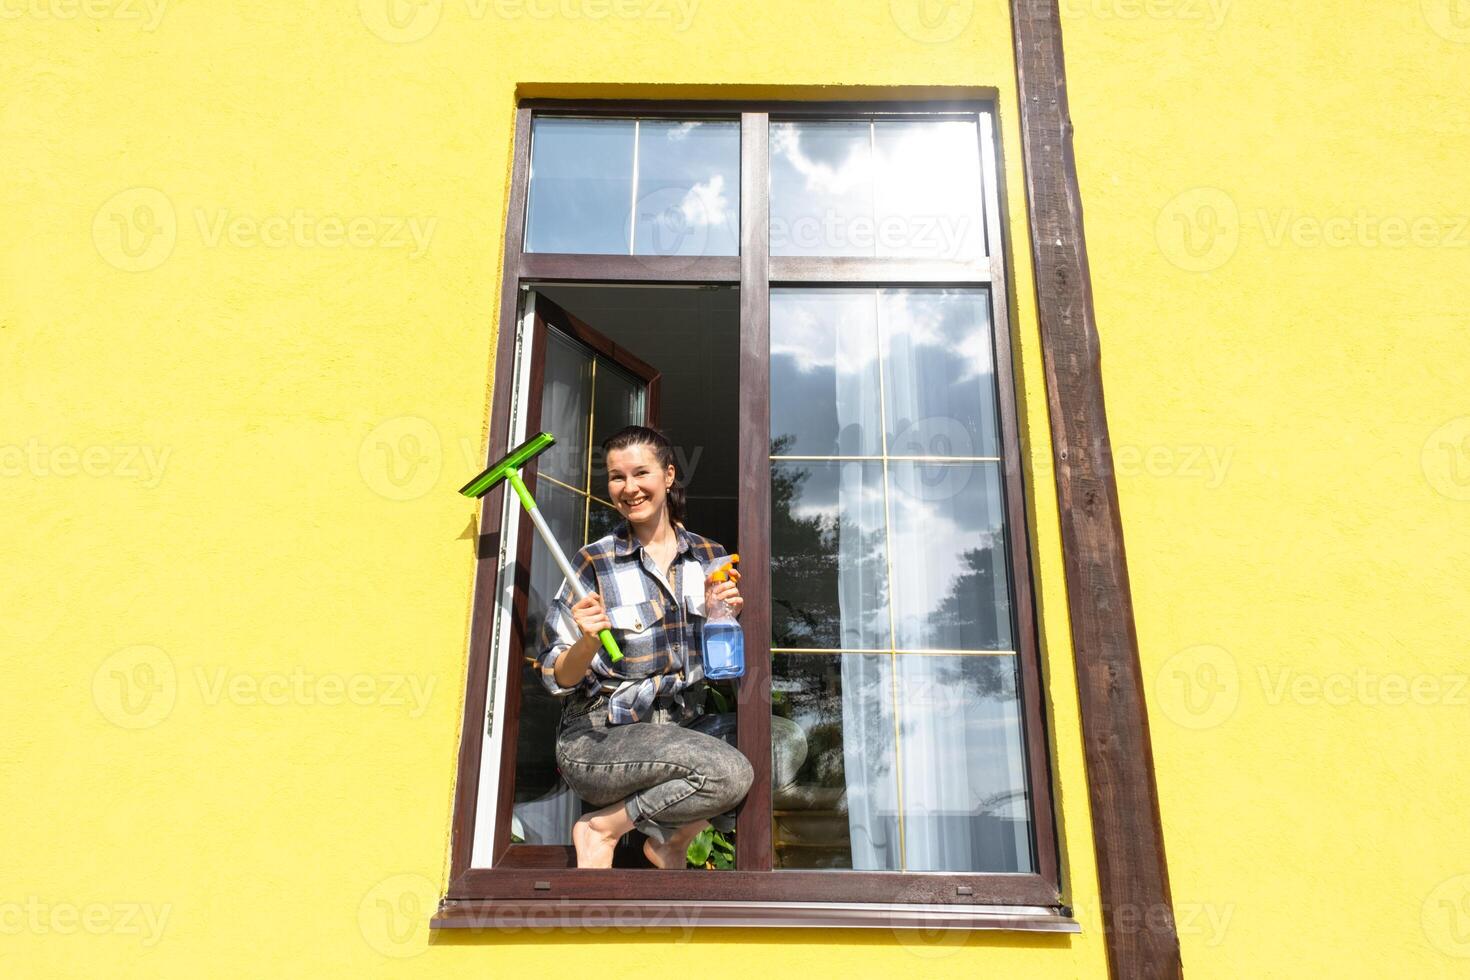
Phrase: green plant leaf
(699,848)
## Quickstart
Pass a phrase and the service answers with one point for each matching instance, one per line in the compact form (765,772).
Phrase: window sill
(575,914)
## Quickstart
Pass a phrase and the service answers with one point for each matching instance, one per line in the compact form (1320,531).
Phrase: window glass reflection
(938,372)
(834,802)
(688,188)
(829,571)
(626,186)
(963,778)
(824,373)
(947,546)
(877,188)
(581,185)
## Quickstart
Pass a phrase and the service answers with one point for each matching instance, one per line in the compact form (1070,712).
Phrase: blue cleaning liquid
(724,650)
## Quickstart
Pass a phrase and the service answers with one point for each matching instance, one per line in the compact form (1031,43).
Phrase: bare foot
(595,837)
(667,856)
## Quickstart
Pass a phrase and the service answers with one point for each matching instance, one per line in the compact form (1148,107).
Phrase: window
(810,299)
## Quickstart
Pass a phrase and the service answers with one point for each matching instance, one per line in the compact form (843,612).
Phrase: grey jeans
(666,770)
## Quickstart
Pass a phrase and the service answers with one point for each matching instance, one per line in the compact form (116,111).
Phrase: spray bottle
(724,644)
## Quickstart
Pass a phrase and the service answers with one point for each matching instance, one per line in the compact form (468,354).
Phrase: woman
(627,740)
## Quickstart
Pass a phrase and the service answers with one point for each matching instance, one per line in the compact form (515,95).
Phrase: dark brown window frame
(509,892)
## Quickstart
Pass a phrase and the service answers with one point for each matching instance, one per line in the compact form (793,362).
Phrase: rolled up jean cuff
(648,827)
(661,832)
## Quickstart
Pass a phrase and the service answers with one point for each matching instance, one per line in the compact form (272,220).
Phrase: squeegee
(508,468)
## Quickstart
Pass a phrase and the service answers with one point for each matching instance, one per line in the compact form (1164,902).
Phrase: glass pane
(566,403)
(950,586)
(828,567)
(564,512)
(688,188)
(544,807)
(617,403)
(928,189)
(938,372)
(963,772)
(602,520)
(824,373)
(581,185)
(834,800)
(821,188)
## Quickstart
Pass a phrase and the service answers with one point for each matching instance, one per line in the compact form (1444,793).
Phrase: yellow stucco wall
(235,602)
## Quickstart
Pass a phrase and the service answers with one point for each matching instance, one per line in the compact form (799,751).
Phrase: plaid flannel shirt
(653,620)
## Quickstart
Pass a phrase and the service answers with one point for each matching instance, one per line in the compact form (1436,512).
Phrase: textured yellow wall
(1278,221)
(249,282)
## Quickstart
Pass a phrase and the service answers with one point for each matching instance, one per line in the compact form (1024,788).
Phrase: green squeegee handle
(529,503)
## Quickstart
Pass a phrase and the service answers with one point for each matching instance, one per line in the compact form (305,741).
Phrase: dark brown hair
(663,451)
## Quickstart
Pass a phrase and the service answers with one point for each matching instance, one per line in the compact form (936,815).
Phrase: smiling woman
(630,733)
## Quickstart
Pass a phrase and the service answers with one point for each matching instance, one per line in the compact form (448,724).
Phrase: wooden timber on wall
(1137,911)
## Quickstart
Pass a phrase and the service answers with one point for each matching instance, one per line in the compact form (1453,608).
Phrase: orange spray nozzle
(722,572)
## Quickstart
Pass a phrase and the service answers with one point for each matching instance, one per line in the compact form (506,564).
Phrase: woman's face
(636,484)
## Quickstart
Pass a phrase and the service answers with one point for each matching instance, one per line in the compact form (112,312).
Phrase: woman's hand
(590,616)
(727,592)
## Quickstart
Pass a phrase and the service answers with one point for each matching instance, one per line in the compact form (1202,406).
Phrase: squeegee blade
(513,460)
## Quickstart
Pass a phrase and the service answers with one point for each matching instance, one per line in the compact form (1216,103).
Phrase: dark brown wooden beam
(1127,833)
